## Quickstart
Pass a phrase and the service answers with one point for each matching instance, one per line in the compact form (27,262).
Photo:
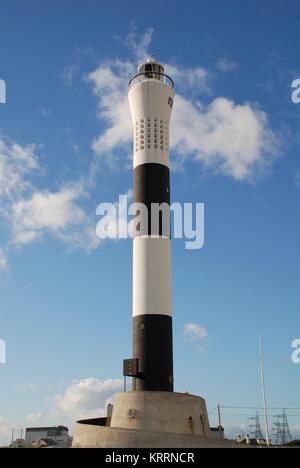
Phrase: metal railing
(148,75)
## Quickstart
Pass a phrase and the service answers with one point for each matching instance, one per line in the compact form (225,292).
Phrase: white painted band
(152,276)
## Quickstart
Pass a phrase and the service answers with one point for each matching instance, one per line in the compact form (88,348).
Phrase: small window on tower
(170,102)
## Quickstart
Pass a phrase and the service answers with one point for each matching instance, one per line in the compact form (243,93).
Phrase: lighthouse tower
(151,95)
(152,414)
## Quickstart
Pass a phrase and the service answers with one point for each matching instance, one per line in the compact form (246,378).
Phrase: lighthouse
(152,414)
(151,96)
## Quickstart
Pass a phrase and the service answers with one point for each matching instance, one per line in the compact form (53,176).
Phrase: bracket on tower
(131,367)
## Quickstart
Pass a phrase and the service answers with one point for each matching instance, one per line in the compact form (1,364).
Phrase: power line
(256,432)
(281,429)
(260,414)
(212,411)
(257,408)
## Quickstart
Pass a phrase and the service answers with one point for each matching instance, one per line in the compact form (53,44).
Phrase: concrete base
(148,420)
(93,436)
(176,413)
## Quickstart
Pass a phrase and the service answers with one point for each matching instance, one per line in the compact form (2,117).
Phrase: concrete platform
(92,436)
(177,413)
(149,420)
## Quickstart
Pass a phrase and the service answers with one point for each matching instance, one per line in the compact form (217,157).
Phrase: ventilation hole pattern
(151,134)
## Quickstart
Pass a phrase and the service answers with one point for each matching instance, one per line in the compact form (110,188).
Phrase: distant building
(252,441)
(18,443)
(59,435)
(217,432)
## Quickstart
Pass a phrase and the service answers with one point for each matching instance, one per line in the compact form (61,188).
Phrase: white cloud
(110,86)
(234,140)
(17,163)
(45,211)
(87,398)
(83,398)
(193,80)
(54,213)
(3,260)
(17,166)
(194,332)
(139,44)
(226,65)
(231,139)
(29,214)
(26,388)
(69,73)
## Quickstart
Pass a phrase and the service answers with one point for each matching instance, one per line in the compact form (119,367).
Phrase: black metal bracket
(131,367)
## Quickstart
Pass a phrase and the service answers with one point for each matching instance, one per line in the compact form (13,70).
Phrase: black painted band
(151,183)
(152,186)
(153,347)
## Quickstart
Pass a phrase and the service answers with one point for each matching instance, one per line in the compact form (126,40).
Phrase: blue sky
(65,300)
